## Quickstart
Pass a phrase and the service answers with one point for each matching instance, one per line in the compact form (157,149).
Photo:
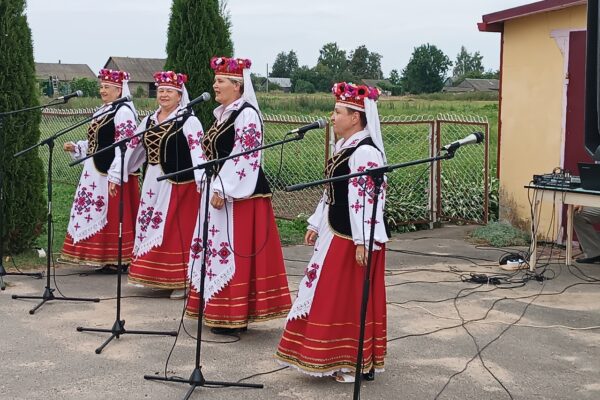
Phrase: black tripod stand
(118,327)
(197,379)
(48,294)
(377,175)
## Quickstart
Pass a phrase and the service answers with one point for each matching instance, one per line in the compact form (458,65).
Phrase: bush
(304,87)
(498,234)
(89,87)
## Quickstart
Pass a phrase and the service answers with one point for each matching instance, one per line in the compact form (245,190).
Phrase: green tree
(468,65)
(285,64)
(198,31)
(426,70)
(292,63)
(23,206)
(89,87)
(365,64)
(333,58)
(394,77)
(279,68)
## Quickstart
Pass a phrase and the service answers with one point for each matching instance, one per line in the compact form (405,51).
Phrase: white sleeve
(125,126)
(80,151)
(192,129)
(237,178)
(361,195)
(315,219)
(135,154)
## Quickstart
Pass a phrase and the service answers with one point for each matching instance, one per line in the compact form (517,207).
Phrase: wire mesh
(454,190)
(463,181)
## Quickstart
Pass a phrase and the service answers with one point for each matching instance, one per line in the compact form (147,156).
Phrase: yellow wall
(532,107)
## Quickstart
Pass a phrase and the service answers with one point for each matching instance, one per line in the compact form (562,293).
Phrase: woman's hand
(310,238)
(112,189)
(361,255)
(216,201)
(69,146)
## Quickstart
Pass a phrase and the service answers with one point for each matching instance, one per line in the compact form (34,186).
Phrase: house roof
(282,82)
(64,72)
(140,69)
(494,22)
(480,85)
(376,82)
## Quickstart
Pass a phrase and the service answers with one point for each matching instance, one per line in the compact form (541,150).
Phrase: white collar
(154,117)
(222,112)
(352,141)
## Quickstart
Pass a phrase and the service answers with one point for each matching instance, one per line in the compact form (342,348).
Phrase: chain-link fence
(463,184)
(455,189)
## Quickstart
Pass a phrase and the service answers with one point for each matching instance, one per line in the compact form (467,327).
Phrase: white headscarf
(249,94)
(373,125)
(126,92)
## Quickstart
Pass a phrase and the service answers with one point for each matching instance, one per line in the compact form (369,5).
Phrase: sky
(89,32)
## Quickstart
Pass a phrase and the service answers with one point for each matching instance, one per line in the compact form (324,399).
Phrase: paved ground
(535,339)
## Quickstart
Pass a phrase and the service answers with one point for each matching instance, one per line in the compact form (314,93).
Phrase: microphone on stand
(202,98)
(120,100)
(319,124)
(66,98)
(473,138)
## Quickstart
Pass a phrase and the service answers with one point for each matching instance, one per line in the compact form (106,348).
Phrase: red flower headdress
(354,96)
(113,77)
(233,67)
(170,79)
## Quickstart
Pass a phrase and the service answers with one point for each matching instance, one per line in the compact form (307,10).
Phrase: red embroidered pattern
(311,274)
(150,219)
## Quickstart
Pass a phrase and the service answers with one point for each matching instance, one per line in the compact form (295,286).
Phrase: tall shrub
(23,206)
(198,30)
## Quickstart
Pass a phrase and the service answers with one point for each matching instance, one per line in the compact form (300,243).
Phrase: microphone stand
(197,379)
(118,327)
(48,294)
(377,175)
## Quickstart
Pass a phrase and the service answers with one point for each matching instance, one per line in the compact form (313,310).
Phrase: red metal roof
(494,22)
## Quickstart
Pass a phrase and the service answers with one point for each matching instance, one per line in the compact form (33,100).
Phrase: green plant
(23,206)
(498,234)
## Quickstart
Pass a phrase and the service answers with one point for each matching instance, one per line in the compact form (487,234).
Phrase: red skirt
(326,340)
(165,266)
(259,289)
(102,247)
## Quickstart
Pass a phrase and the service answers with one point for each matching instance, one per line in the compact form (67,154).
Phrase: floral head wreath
(354,96)
(232,67)
(113,77)
(170,78)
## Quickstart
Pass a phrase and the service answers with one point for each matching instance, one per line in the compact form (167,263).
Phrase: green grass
(499,234)
(291,231)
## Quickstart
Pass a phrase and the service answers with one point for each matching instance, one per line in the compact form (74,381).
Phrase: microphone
(202,98)
(120,100)
(473,138)
(66,98)
(319,124)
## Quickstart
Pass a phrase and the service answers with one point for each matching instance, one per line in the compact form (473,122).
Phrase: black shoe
(111,269)
(588,260)
(227,331)
(369,376)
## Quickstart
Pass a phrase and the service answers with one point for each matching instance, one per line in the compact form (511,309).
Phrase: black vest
(101,134)
(167,145)
(218,142)
(337,192)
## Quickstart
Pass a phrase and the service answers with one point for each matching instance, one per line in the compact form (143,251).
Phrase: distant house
(141,72)
(63,72)
(284,83)
(55,77)
(472,85)
(378,83)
